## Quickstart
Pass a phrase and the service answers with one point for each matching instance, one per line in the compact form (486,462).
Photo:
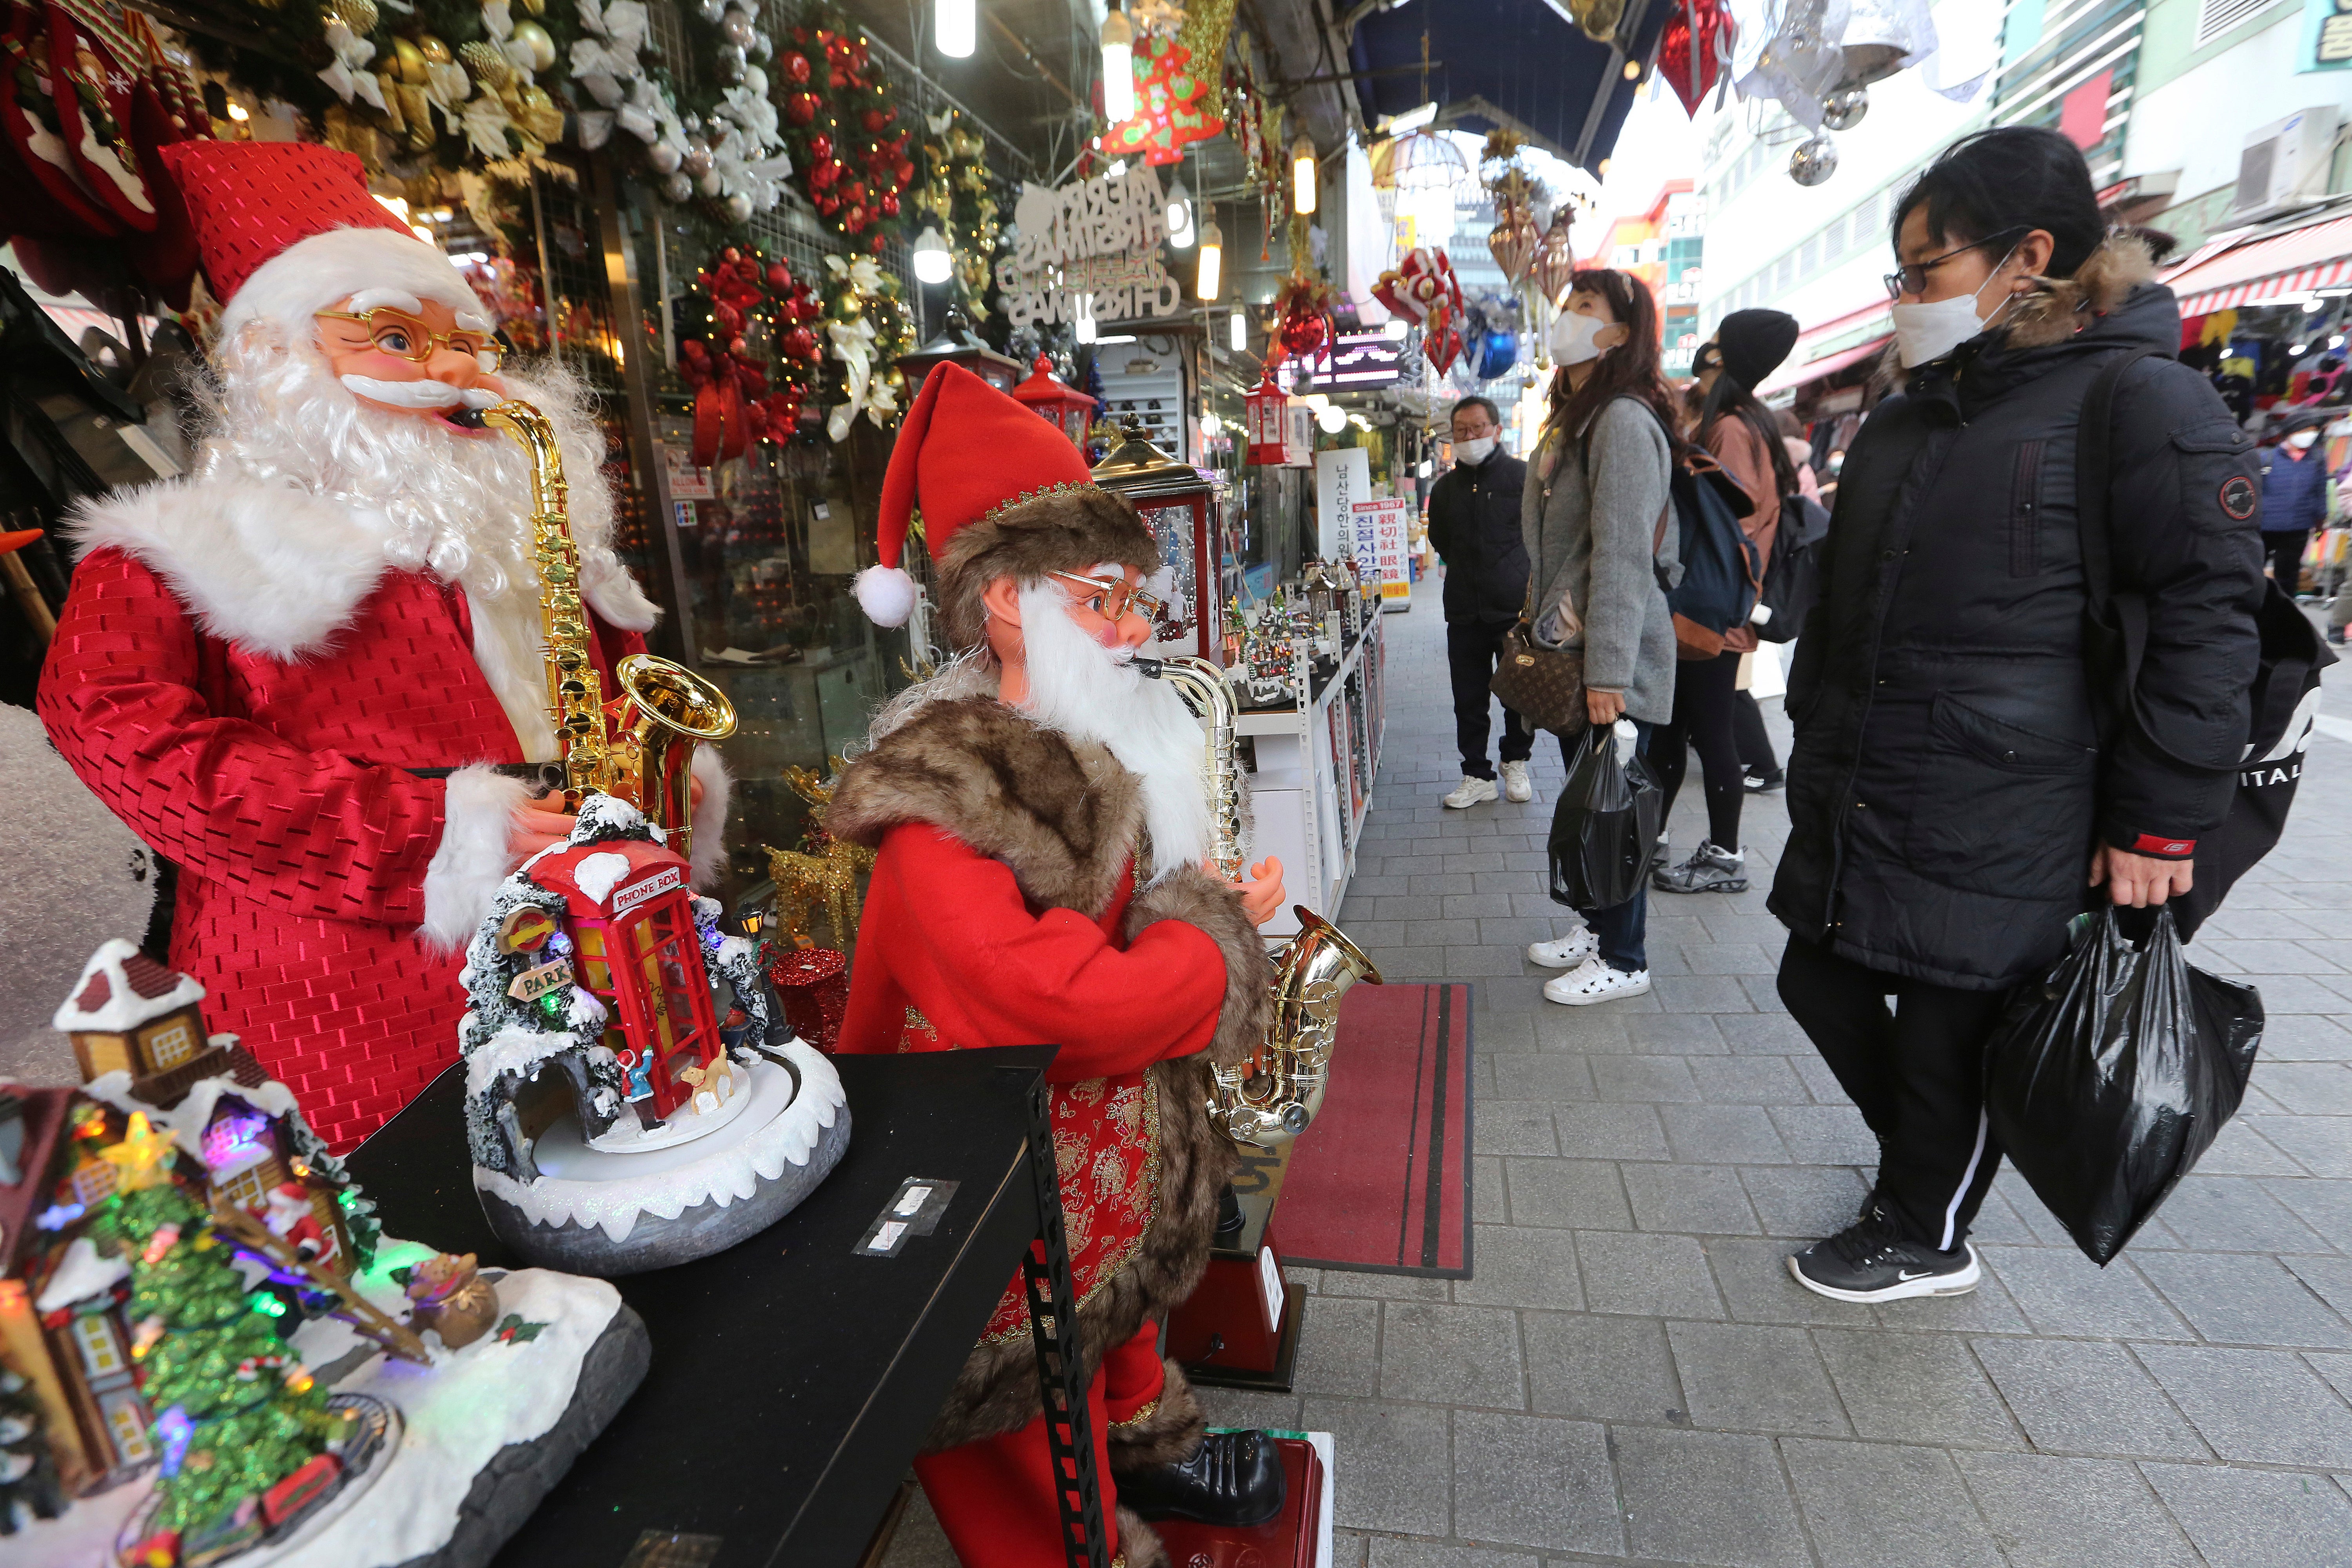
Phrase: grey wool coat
(1589,535)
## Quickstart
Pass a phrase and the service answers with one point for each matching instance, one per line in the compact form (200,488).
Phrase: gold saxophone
(640,747)
(1270,1098)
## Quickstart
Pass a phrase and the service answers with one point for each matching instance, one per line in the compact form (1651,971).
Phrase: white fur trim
(886,594)
(711,817)
(274,569)
(321,272)
(614,595)
(462,882)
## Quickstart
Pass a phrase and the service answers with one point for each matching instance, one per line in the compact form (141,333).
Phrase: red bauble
(889,204)
(820,147)
(780,276)
(855,219)
(796,65)
(822,175)
(730,319)
(801,108)
(906,173)
(875,120)
(876,246)
(800,343)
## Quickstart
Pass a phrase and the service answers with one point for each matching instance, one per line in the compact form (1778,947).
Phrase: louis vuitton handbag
(1544,686)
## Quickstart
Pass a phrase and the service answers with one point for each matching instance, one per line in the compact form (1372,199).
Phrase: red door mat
(1381,1181)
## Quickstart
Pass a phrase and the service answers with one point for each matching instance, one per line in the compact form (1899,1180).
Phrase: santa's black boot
(1164,1468)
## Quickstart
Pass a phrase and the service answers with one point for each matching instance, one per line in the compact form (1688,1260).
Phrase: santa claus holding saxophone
(311,672)
(1042,824)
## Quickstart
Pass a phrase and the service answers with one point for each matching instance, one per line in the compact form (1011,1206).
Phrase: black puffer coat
(1473,524)
(1948,783)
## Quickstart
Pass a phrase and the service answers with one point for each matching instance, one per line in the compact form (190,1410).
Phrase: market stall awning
(2274,266)
(1812,360)
(1514,64)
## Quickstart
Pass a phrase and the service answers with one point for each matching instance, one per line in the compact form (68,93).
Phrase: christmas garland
(955,191)
(842,122)
(866,330)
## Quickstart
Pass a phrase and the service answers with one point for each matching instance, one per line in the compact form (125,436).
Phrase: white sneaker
(1470,793)
(1595,981)
(1567,952)
(1516,785)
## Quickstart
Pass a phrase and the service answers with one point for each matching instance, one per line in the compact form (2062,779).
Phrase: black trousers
(1471,649)
(1748,736)
(1702,723)
(1916,1071)
(2286,552)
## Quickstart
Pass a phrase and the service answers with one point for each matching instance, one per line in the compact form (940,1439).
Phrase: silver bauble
(1814,160)
(728,60)
(762,46)
(677,187)
(663,156)
(739,208)
(737,29)
(709,185)
(697,162)
(711,10)
(690,119)
(1843,109)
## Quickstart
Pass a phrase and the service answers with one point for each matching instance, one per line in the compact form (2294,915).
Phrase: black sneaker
(1869,1261)
(1762,783)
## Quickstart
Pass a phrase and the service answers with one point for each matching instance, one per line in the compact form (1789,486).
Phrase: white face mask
(2301,440)
(1572,335)
(1931,329)
(1474,452)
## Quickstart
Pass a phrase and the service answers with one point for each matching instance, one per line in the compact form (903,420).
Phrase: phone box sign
(629,895)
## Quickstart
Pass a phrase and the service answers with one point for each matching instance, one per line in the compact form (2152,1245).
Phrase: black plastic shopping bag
(1604,827)
(2105,1081)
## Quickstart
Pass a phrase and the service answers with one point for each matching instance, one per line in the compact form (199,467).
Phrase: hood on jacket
(2112,301)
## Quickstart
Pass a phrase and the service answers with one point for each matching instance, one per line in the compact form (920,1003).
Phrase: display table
(792,1377)
(1316,764)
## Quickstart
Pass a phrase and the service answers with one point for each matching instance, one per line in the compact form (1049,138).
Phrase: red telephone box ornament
(1062,406)
(636,949)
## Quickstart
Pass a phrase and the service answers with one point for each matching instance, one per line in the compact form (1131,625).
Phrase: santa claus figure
(1042,824)
(311,672)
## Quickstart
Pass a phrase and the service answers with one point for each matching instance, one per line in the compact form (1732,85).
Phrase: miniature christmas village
(209,1354)
(616,1123)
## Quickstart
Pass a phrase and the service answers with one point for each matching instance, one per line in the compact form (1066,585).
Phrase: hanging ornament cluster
(1513,239)
(480,97)
(1695,49)
(838,111)
(865,330)
(1303,329)
(954,191)
(1258,121)
(755,303)
(1423,289)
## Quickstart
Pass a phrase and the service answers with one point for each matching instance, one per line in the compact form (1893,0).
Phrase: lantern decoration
(1422,289)
(839,113)
(1060,405)
(958,345)
(1175,502)
(1693,49)
(1280,428)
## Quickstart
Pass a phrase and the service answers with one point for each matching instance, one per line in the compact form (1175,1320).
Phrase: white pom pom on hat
(887,594)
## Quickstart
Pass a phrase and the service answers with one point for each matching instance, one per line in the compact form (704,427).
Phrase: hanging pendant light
(1180,233)
(932,263)
(1118,69)
(1208,281)
(1082,323)
(955,27)
(1237,335)
(1303,174)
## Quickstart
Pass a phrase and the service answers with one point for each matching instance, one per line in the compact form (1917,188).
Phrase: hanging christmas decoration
(865,330)
(1694,49)
(1513,239)
(1303,329)
(955,192)
(1598,18)
(754,373)
(1258,121)
(1842,109)
(1423,289)
(1172,106)
(1815,158)
(1555,261)
(843,123)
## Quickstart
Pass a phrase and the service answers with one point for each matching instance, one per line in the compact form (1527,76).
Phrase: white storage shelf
(1313,782)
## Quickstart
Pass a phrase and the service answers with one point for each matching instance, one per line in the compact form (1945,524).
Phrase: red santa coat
(1003,910)
(243,678)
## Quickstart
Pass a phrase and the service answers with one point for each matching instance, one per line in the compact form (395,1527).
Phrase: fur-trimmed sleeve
(1201,901)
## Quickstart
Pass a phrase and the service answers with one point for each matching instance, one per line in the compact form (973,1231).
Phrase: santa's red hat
(288,228)
(1002,493)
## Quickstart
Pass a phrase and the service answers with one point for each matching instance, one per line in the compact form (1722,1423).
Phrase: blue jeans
(1622,929)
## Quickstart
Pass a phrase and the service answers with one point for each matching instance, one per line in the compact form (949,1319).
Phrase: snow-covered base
(629,1135)
(597,1212)
(483,1407)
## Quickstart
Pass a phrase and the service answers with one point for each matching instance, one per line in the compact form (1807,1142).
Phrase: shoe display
(1567,952)
(1869,1260)
(1595,980)
(1517,785)
(1710,870)
(1762,783)
(1469,791)
(1233,1478)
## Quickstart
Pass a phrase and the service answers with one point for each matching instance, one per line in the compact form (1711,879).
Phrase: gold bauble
(542,45)
(408,61)
(490,67)
(535,7)
(435,51)
(541,116)
(359,15)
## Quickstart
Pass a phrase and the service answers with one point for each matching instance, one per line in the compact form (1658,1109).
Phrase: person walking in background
(2294,497)
(1743,437)
(1590,519)
(1950,792)
(1759,766)
(1474,526)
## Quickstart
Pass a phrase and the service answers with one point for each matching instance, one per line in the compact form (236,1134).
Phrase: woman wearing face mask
(1595,489)
(1952,801)
(1742,436)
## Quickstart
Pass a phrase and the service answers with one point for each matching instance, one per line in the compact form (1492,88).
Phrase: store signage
(1381,530)
(2326,35)
(1091,248)
(1367,359)
(533,984)
(1343,476)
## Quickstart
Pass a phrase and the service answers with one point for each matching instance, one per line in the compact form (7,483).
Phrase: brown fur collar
(2060,307)
(1167,1434)
(1200,899)
(1069,530)
(1062,814)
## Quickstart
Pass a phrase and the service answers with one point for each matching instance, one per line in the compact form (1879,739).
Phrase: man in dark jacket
(1950,782)
(2294,496)
(1474,525)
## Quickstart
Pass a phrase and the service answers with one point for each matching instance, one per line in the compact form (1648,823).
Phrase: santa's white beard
(1093,694)
(456,504)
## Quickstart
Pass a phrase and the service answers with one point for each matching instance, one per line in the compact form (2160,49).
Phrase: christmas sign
(1090,248)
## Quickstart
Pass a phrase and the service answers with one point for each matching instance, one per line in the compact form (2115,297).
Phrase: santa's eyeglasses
(1113,597)
(403,336)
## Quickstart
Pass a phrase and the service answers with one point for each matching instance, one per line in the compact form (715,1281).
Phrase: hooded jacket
(1947,782)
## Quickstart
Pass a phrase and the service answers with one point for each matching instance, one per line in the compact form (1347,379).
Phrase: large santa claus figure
(1041,822)
(311,671)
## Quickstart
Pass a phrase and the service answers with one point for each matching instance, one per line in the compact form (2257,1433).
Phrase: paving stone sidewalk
(1632,1377)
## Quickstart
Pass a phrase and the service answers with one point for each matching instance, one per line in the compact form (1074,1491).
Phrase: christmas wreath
(844,128)
(738,398)
(954,190)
